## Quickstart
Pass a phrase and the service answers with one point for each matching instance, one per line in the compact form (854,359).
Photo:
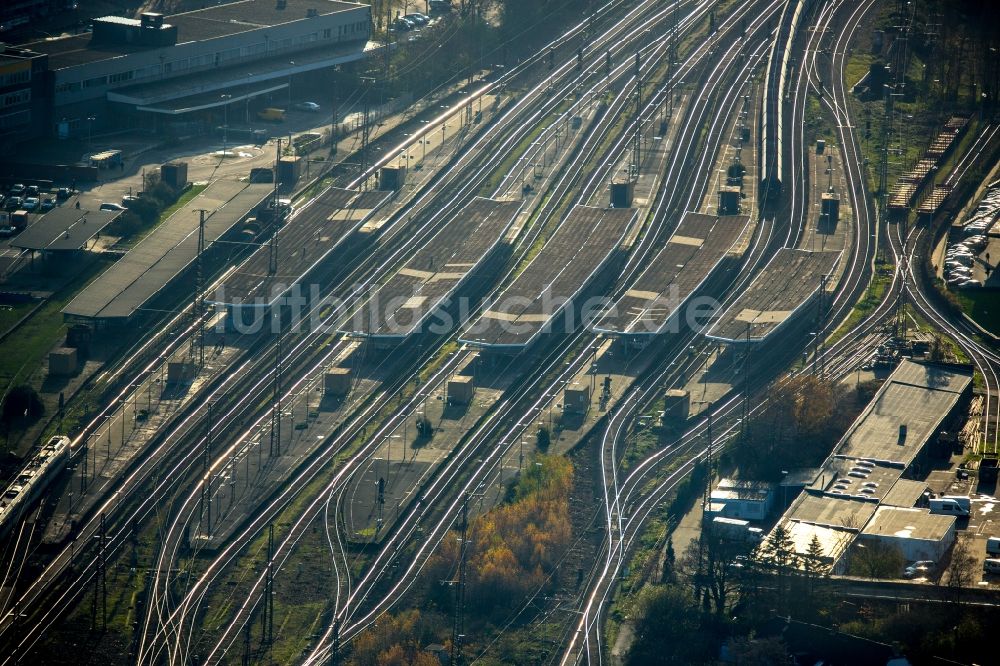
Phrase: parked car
(14,202)
(403,25)
(47,204)
(128,200)
(111,206)
(7,231)
(17,190)
(32,191)
(63,193)
(970,284)
(312,107)
(919,569)
(30,204)
(417,18)
(271,114)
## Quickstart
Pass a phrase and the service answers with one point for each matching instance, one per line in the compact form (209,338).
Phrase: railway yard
(458,395)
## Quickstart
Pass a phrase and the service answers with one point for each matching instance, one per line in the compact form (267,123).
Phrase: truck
(951,505)
(19,219)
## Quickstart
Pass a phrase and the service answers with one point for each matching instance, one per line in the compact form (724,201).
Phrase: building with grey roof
(917,533)
(906,493)
(860,493)
(908,410)
(139,72)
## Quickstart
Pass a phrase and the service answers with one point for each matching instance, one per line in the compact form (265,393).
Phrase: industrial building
(860,494)
(742,499)
(917,533)
(24,95)
(158,71)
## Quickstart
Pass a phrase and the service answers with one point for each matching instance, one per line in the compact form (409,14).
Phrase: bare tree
(875,559)
(962,570)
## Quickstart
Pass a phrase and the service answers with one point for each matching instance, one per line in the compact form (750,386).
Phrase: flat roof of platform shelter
(64,228)
(573,255)
(407,299)
(307,239)
(159,258)
(779,292)
(689,258)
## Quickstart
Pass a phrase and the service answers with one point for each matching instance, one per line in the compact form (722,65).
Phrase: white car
(919,569)
(312,107)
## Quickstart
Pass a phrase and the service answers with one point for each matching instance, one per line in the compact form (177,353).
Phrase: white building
(742,500)
(919,534)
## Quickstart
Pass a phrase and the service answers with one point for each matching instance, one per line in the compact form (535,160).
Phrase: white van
(951,506)
(993,546)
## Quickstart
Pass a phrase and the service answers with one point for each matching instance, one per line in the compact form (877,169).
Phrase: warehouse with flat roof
(917,533)
(906,413)
(859,494)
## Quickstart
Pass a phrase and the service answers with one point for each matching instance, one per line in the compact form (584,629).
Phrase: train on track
(40,471)
(773,101)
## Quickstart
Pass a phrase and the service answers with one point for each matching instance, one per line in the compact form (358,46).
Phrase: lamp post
(225,123)
(90,130)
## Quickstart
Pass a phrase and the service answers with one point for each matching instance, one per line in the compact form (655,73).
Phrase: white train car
(31,481)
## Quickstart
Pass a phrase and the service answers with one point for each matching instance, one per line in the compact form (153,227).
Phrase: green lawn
(183,199)
(872,297)
(983,306)
(23,353)
(11,314)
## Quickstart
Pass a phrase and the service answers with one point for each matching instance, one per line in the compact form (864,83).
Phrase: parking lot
(966,261)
